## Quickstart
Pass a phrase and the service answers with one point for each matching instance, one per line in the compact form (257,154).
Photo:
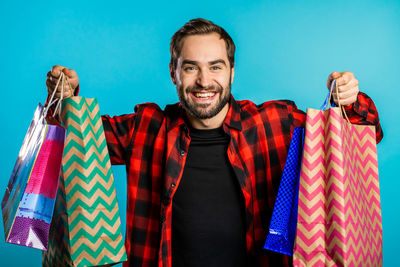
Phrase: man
(203,173)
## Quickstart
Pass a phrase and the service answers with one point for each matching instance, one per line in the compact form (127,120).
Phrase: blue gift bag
(282,229)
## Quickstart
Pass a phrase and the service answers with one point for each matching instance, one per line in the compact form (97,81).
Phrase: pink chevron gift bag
(339,214)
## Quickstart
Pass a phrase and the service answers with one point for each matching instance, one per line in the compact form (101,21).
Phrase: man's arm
(364,112)
(118,131)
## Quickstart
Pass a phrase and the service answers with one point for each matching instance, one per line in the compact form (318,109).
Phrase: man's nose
(204,79)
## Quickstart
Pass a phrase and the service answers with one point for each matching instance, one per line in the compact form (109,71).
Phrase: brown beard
(197,110)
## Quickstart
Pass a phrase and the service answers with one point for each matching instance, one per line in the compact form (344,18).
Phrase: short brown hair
(199,26)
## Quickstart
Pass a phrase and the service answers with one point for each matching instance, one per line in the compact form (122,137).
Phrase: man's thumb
(335,75)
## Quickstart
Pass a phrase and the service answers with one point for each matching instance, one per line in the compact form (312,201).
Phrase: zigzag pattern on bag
(363,235)
(58,249)
(340,224)
(94,225)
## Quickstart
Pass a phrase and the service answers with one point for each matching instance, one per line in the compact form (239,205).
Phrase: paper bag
(86,227)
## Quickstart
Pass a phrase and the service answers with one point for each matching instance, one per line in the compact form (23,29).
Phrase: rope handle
(327,102)
(62,80)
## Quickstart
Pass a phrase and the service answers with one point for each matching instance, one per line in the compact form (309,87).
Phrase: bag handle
(327,102)
(58,101)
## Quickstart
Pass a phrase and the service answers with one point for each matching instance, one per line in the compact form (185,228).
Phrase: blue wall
(120,50)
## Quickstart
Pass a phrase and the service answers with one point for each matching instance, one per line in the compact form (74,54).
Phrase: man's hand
(69,87)
(347,87)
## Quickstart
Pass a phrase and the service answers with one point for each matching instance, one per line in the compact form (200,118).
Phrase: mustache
(192,89)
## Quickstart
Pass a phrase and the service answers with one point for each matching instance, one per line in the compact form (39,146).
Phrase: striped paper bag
(339,213)
(86,227)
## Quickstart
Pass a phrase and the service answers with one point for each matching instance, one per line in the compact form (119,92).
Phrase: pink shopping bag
(339,213)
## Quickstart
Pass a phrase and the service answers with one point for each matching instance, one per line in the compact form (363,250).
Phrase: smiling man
(203,173)
(203,75)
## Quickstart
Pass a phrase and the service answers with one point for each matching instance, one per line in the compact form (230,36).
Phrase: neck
(211,123)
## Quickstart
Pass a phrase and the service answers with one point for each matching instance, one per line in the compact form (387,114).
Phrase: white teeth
(204,95)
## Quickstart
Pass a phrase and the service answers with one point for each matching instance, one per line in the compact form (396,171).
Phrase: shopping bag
(28,203)
(86,227)
(339,214)
(282,228)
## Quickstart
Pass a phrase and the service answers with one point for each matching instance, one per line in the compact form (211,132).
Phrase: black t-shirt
(208,226)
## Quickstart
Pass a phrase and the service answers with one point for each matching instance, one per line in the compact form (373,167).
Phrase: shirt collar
(232,118)
(177,116)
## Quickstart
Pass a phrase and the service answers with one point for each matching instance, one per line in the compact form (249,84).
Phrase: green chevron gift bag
(86,227)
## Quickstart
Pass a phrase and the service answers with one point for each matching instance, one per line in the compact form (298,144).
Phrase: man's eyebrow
(217,61)
(187,61)
(193,62)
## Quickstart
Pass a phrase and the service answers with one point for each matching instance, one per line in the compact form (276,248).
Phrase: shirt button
(182,153)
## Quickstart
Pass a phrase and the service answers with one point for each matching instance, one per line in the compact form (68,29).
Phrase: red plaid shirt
(153,145)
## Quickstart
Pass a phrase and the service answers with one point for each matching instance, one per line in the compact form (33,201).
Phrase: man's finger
(346,77)
(342,81)
(52,82)
(50,88)
(334,96)
(335,75)
(69,72)
(50,85)
(351,84)
(349,93)
(51,77)
(346,98)
(332,76)
(348,101)
(72,77)
(56,70)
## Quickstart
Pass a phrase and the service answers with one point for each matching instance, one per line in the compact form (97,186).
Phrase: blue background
(120,50)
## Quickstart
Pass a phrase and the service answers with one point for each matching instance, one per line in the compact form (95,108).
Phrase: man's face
(203,75)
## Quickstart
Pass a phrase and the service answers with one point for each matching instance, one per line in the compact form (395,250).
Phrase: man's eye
(215,68)
(189,68)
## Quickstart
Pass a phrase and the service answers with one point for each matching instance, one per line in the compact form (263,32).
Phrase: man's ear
(232,72)
(172,73)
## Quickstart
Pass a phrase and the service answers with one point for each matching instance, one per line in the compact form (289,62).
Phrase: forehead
(204,47)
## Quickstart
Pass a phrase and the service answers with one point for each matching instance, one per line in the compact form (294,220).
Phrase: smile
(203,97)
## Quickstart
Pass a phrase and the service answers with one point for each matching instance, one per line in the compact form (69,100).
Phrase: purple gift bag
(28,202)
